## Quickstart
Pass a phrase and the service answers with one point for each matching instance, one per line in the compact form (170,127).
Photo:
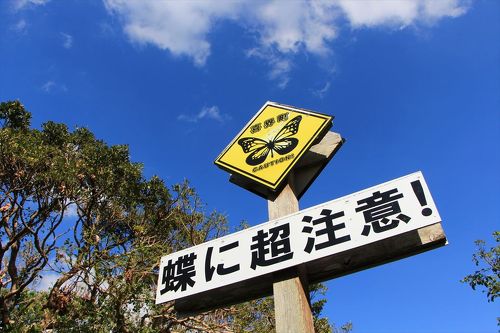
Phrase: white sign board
(374,214)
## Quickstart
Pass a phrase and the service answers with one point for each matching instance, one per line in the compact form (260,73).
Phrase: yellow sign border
(327,122)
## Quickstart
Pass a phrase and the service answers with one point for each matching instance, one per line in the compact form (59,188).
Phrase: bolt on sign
(314,237)
(272,142)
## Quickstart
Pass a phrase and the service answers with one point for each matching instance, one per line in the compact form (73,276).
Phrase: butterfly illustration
(282,143)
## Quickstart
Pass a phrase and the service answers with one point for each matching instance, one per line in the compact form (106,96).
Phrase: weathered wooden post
(291,288)
(292,308)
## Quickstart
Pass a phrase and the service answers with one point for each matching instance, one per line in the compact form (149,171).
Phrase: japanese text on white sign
(377,213)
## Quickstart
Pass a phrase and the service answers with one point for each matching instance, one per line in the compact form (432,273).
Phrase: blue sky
(413,85)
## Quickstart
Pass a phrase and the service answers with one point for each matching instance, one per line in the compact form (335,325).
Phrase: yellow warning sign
(272,142)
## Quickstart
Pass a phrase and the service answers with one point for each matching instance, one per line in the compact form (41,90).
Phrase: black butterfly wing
(283,143)
(291,128)
(257,148)
(284,146)
(258,156)
(251,144)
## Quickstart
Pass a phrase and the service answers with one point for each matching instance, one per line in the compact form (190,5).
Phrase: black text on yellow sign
(272,142)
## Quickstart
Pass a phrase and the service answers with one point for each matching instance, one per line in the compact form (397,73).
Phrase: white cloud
(322,92)
(211,112)
(21,4)
(290,26)
(46,281)
(71,211)
(180,27)
(400,13)
(382,12)
(282,28)
(67,40)
(20,26)
(107,29)
(451,8)
(52,86)
(48,86)
(279,63)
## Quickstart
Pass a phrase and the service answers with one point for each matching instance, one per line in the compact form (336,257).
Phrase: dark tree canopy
(79,209)
(14,115)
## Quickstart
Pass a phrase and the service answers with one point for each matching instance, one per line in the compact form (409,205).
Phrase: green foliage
(74,206)
(28,313)
(14,115)
(488,275)
(255,316)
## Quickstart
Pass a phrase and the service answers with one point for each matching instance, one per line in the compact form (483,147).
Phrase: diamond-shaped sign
(272,142)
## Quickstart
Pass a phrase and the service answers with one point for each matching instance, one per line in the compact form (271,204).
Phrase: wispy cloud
(212,113)
(21,4)
(181,27)
(67,40)
(51,86)
(48,86)
(20,26)
(322,92)
(46,281)
(280,65)
(71,211)
(107,29)
(282,28)
(400,13)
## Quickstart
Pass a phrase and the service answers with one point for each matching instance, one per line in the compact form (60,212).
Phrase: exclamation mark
(419,192)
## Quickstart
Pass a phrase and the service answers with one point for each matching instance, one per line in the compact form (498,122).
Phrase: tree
(488,275)
(13,115)
(76,207)
(32,205)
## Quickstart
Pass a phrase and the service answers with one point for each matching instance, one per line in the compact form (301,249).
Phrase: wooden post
(292,307)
